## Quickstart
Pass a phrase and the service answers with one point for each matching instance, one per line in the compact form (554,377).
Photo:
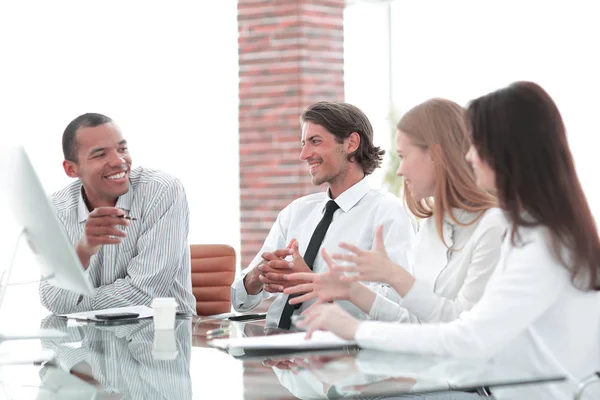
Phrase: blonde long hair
(440,126)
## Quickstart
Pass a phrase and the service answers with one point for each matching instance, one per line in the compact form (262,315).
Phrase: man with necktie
(337,145)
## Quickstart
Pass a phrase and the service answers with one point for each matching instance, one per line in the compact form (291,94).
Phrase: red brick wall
(290,56)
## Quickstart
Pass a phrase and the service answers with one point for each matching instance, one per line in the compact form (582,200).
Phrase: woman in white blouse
(541,305)
(458,242)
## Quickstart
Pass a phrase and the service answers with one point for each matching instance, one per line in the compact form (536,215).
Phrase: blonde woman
(458,242)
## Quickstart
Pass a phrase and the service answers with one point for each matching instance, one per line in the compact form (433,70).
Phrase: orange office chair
(213,270)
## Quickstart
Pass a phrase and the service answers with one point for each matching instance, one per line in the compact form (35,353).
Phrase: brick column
(290,56)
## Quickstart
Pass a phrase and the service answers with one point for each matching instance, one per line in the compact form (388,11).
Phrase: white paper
(73,345)
(27,357)
(32,334)
(145,312)
(319,340)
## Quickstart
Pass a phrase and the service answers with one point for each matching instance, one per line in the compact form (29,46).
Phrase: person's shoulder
(385,206)
(67,198)
(143,178)
(532,250)
(533,243)
(493,217)
(384,198)
(309,200)
(303,204)
(383,202)
(537,236)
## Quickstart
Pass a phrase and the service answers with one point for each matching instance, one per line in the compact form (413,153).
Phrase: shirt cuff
(366,335)
(241,296)
(418,300)
(87,303)
(384,309)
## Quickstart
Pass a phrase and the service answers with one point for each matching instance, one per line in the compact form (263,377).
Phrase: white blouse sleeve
(521,290)
(384,309)
(429,306)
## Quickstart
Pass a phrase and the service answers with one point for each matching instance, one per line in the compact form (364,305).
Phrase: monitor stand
(4,283)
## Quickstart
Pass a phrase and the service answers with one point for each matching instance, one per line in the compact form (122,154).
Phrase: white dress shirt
(362,210)
(530,314)
(152,261)
(447,282)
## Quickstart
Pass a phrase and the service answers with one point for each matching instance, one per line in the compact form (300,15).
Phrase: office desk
(128,361)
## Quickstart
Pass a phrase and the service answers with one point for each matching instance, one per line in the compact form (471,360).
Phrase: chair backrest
(213,270)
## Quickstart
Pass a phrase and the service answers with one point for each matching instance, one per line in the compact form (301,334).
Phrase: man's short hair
(88,120)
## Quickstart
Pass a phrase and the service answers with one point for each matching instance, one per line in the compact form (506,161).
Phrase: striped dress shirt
(121,360)
(153,260)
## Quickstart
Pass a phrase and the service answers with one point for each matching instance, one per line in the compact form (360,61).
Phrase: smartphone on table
(116,316)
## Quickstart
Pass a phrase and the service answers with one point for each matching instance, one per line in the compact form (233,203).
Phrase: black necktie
(309,258)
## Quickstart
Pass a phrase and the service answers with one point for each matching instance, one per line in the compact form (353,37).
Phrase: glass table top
(133,361)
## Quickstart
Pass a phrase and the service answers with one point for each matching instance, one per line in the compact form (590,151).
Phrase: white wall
(166,72)
(366,71)
(465,48)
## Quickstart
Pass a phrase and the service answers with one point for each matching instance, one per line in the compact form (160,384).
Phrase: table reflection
(128,359)
(132,361)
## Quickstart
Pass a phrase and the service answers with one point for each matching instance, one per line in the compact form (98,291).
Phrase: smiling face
(103,164)
(416,166)
(326,158)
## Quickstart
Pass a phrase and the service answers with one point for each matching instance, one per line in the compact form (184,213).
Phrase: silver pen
(217,332)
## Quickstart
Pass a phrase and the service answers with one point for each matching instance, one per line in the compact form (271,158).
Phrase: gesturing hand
(329,317)
(327,286)
(371,265)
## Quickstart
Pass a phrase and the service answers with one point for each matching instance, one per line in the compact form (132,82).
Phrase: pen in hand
(216,332)
(127,217)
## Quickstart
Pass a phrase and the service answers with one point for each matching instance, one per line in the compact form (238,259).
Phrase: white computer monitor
(31,209)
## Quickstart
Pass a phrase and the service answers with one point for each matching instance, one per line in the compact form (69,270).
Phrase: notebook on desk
(90,316)
(286,341)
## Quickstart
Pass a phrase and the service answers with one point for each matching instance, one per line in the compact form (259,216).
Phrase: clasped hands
(269,274)
(276,274)
(295,278)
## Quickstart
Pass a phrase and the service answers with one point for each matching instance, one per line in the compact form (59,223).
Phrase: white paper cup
(164,313)
(164,346)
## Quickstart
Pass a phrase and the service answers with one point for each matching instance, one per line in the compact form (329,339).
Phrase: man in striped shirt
(129,261)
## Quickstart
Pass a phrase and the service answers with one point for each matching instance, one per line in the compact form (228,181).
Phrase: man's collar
(82,210)
(351,196)
(123,202)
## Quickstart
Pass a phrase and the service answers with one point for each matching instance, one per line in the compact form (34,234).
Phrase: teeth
(117,176)
(313,166)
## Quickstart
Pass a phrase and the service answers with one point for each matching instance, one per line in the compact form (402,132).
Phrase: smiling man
(129,226)
(337,146)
